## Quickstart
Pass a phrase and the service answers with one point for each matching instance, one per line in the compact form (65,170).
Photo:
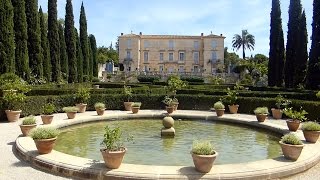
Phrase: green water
(235,144)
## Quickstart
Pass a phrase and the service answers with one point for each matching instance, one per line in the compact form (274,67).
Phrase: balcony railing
(127,60)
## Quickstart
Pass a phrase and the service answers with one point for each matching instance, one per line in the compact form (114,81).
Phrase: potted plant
(311,131)
(231,99)
(100,108)
(175,103)
(128,94)
(261,113)
(82,97)
(281,102)
(135,107)
(48,110)
(175,84)
(169,104)
(28,123)
(219,108)
(13,100)
(296,118)
(291,146)
(71,111)
(44,138)
(203,155)
(113,150)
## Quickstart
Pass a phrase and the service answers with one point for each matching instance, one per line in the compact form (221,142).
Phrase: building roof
(171,36)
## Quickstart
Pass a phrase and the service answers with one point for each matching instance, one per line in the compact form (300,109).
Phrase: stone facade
(172,53)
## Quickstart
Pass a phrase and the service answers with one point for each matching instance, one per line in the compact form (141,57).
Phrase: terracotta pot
(291,151)
(100,112)
(311,136)
(71,115)
(127,105)
(293,125)
(220,112)
(261,117)
(82,107)
(203,163)
(113,159)
(45,146)
(175,106)
(135,110)
(276,113)
(169,109)
(25,129)
(46,119)
(233,109)
(13,116)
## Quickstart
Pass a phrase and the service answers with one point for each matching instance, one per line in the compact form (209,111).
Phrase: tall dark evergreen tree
(84,42)
(276,54)
(313,75)
(34,39)
(71,39)
(93,43)
(53,37)
(21,39)
(90,61)
(302,52)
(63,54)
(295,11)
(79,57)
(7,52)
(45,47)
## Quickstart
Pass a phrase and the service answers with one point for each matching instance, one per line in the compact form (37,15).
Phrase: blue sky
(108,18)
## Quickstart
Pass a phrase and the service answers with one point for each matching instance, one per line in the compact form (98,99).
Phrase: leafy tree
(230,58)
(84,40)
(113,54)
(45,46)
(276,54)
(313,75)
(245,40)
(63,54)
(79,57)
(34,39)
(53,37)
(93,43)
(21,39)
(102,55)
(71,42)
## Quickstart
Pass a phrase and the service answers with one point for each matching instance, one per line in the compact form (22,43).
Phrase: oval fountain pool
(235,144)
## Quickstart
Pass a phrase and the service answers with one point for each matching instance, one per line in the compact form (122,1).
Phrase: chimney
(201,34)
(140,33)
(220,34)
(121,34)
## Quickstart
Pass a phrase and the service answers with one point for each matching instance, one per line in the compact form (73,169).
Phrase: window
(161,68)
(161,56)
(129,43)
(181,56)
(214,44)
(214,57)
(171,44)
(195,69)
(196,45)
(196,57)
(170,56)
(128,54)
(181,69)
(146,44)
(171,69)
(146,56)
(146,68)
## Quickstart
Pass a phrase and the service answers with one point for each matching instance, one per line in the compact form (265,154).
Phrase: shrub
(281,102)
(295,115)
(95,79)
(218,105)
(82,95)
(113,139)
(202,148)
(261,110)
(231,97)
(70,109)
(175,83)
(10,81)
(14,99)
(99,105)
(30,120)
(136,104)
(44,133)
(148,78)
(291,139)
(193,79)
(311,126)
(127,92)
(48,109)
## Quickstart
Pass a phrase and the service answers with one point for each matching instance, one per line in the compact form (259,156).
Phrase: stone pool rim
(77,167)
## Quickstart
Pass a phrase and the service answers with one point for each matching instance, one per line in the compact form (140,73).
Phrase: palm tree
(245,41)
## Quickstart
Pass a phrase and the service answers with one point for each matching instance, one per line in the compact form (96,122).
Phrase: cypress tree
(93,43)
(84,42)
(63,54)
(90,60)
(295,11)
(276,54)
(45,47)
(79,57)
(21,39)
(53,37)
(313,75)
(302,52)
(7,52)
(71,39)
(34,39)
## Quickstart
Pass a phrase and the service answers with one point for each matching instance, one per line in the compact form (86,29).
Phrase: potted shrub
(135,107)
(82,97)
(291,146)
(71,111)
(44,138)
(48,110)
(100,108)
(169,104)
(128,94)
(13,100)
(113,150)
(175,103)
(175,84)
(311,131)
(281,102)
(28,123)
(261,113)
(231,99)
(296,118)
(203,155)
(219,108)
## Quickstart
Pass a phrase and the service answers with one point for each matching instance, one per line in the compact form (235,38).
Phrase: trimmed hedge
(149,78)
(195,79)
